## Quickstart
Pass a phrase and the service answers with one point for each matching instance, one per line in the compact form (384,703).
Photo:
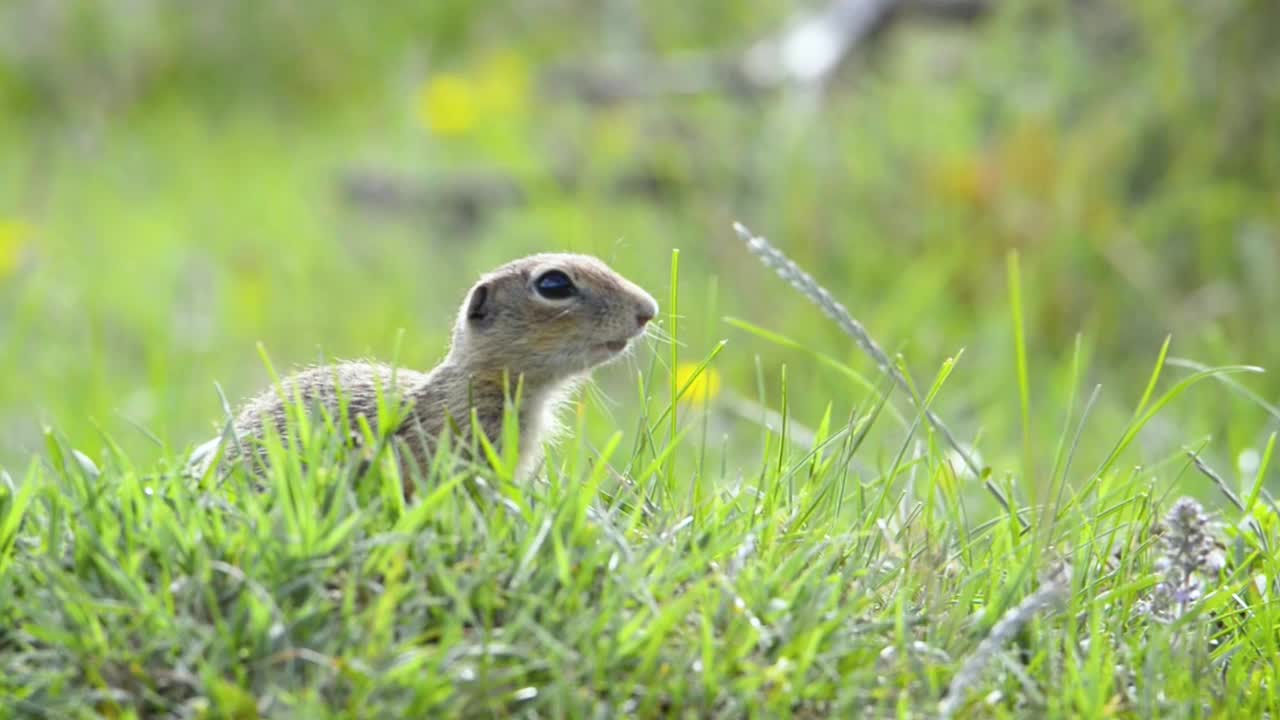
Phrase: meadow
(1062,225)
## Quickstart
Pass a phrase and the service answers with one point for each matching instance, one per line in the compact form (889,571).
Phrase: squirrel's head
(549,317)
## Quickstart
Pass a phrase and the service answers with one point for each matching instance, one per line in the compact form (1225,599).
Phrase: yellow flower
(704,387)
(456,103)
(14,235)
(447,105)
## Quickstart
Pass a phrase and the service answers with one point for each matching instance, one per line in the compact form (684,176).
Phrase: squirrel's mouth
(616,347)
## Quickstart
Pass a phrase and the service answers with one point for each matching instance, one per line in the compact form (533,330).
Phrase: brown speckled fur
(515,334)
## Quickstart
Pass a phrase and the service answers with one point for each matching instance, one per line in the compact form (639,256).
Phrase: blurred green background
(180,181)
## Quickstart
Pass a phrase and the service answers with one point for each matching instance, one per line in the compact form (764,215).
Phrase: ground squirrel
(544,320)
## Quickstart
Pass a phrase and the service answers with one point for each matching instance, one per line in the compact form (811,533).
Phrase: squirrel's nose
(646,312)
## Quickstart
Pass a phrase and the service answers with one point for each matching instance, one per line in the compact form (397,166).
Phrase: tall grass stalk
(820,296)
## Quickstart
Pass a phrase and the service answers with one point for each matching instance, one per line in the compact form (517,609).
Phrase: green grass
(822,581)
(803,587)
(1061,225)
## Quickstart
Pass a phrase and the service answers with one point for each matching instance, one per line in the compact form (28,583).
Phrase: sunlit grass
(825,579)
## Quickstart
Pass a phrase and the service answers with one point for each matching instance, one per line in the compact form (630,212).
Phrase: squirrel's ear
(478,306)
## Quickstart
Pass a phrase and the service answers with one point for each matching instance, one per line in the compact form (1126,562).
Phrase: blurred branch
(815,46)
(809,51)
(463,200)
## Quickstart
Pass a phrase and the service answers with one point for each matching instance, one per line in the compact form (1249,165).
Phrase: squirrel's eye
(555,285)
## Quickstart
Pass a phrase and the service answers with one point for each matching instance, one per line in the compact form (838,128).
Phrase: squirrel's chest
(462,413)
